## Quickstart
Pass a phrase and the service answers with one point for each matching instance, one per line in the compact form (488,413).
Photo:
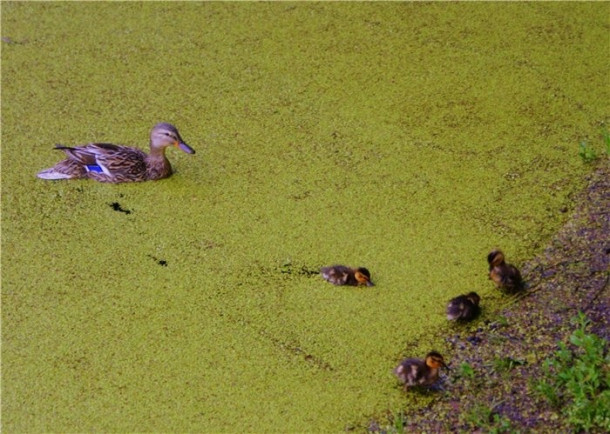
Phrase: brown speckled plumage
(342,275)
(505,276)
(416,372)
(106,162)
(463,307)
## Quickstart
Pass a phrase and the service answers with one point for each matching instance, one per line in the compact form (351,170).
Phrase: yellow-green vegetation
(409,138)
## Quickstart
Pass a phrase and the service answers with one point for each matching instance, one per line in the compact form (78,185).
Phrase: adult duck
(106,162)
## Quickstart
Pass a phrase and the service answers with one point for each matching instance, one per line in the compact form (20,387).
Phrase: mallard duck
(463,307)
(505,276)
(342,275)
(112,163)
(416,372)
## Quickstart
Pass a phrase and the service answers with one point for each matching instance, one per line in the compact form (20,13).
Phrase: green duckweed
(410,138)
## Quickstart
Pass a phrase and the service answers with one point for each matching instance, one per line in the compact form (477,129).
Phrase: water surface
(410,138)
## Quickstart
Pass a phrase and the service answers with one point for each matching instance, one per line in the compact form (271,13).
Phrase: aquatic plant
(586,152)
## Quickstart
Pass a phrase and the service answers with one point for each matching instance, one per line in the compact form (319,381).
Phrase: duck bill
(369,283)
(186,148)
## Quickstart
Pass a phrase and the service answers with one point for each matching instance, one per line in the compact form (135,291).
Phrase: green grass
(396,422)
(408,138)
(586,152)
(577,379)
(505,364)
(466,371)
(483,417)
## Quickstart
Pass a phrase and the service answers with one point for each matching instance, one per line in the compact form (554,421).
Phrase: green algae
(410,138)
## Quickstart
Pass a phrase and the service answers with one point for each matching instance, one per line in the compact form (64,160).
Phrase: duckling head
(495,258)
(163,135)
(474,298)
(434,360)
(363,276)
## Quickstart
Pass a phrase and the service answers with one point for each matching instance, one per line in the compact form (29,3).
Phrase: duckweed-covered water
(410,138)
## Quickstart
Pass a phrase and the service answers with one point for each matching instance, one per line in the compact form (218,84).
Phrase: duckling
(416,372)
(342,275)
(106,162)
(463,307)
(505,276)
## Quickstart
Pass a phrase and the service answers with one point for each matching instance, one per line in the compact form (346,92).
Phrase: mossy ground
(410,138)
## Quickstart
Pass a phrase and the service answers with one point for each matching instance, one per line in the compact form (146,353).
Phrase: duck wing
(80,154)
(107,158)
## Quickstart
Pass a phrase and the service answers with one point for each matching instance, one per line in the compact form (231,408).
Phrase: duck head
(363,276)
(495,258)
(474,298)
(163,135)
(434,360)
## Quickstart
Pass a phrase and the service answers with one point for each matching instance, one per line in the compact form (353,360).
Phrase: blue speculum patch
(94,168)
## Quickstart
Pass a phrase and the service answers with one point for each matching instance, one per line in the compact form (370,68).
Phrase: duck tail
(66,169)
(52,174)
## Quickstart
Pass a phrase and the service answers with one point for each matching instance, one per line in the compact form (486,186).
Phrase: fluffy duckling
(463,307)
(504,275)
(106,162)
(416,372)
(342,275)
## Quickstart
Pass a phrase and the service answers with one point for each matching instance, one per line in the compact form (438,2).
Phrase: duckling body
(416,372)
(505,276)
(106,162)
(463,307)
(342,275)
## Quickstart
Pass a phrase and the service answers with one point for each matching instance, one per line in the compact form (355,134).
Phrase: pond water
(410,138)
